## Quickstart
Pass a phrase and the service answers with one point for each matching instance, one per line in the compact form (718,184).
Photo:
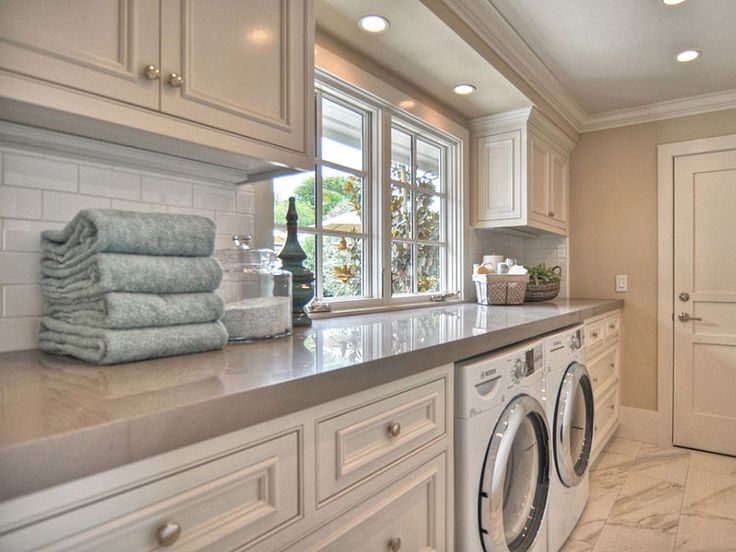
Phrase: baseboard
(639,424)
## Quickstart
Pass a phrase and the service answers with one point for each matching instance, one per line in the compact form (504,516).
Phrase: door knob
(176,80)
(685,317)
(152,72)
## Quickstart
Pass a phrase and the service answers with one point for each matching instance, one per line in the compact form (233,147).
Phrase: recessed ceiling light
(672,2)
(464,89)
(373,23)
(687,55)
(407,104)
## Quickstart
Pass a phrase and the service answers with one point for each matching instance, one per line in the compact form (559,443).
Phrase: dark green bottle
(292,256)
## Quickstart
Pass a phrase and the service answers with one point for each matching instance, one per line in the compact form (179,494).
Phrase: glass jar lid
(242,256)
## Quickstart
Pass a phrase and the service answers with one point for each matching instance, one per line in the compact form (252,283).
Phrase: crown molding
(482,17)
(659,111)
(486,21)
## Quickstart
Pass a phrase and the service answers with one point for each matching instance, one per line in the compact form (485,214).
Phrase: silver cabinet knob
(685,317)
(152,72)
(168,533)
(176,80)
(394,429)
(394,545)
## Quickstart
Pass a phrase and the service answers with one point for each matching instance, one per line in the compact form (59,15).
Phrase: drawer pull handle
(595,334)
(595,380)
(612,406)
(613,365)
(395,430)
(612,325)
(152,72)
(394,545)
(168,533)
(176,80)
(551,213)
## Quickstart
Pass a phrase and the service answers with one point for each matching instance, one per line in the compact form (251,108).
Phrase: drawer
(355,444)
(234,501)
(595,335)
(603,369)
(408,515)
(606,415)
(612,327)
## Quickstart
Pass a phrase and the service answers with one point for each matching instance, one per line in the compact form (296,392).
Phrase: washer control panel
(527,363)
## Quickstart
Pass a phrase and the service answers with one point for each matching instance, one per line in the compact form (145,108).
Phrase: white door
(245,66)
(705,302)
(98,46)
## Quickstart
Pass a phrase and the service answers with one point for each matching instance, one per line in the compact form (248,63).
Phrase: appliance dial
(574,341)
(519,369)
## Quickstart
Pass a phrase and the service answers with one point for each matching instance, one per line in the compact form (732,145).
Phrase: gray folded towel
(107,272)
(112,231)
(104,346)
(138,310)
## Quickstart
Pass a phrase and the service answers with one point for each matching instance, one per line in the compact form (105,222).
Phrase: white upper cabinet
(241,65)
(222,81)
(520,176)
(99,46)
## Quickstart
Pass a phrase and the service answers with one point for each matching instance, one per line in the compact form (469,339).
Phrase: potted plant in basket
(544,283)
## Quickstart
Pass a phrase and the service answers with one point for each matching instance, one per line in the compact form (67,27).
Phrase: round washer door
(573,425)
(515,479)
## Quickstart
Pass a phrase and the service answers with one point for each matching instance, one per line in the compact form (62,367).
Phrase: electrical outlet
(622,283)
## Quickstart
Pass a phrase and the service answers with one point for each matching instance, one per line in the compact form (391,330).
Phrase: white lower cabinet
(370,471)
(407,515)
(603,354)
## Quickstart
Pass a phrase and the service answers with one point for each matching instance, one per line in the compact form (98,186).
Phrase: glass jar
(256,292)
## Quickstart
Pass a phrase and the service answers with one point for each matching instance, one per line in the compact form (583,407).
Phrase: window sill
(383,308)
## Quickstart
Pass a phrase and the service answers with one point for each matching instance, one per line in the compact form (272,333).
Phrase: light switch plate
(622,283)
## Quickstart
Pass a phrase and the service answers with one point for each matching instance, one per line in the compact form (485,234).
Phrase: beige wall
(613,202)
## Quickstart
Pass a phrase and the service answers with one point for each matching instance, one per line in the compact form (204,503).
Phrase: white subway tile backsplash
(42,197)
(219,199)
(25,235)
(245,201)
(61,206)
(39,172)
(18,334)
(22,300)
(109,183)
(20,268)
(229,223)
(20,203)
(164,190)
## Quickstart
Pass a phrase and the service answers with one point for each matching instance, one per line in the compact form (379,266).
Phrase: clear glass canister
(256,292)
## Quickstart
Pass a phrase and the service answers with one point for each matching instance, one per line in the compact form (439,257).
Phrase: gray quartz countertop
(61,419)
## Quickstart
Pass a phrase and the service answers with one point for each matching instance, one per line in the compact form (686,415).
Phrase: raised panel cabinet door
(498,177)
(558,189)
(538,177)
(244,66)
(97,46)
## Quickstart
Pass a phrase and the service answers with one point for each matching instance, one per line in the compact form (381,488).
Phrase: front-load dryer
(570,416)
(502,454)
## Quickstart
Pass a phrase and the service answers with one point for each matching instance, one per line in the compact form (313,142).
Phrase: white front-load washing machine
(570,415)
(502,453)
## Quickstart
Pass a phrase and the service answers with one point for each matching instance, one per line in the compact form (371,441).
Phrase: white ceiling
(419,47)
(619,54)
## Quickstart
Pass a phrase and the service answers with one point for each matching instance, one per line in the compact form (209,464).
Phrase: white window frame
(377,200)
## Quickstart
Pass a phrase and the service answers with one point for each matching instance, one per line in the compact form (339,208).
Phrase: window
(331,202)
(380,217)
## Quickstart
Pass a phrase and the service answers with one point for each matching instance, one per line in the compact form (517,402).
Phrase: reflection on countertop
(47,402)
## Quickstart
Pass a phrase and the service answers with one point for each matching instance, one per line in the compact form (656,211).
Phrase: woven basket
(500,289)
(543,291)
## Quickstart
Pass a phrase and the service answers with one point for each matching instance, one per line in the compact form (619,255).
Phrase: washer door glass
(573,431)
(515,478)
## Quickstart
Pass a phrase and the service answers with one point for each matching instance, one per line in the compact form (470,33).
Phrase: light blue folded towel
(103,346)
(109,272)
(138,310)
(112,231)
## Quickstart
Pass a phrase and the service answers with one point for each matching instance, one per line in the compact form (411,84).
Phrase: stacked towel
(121,286)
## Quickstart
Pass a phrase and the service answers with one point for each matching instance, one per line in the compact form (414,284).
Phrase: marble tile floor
(647,499)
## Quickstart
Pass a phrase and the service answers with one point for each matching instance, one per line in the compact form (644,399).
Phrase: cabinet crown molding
(518,119)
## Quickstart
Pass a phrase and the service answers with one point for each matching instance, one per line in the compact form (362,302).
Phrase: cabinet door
(98,46)
(246,66)
(538,177)
(558,189)
(498,177)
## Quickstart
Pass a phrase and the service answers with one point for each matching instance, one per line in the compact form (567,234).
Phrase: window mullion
(414,226)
